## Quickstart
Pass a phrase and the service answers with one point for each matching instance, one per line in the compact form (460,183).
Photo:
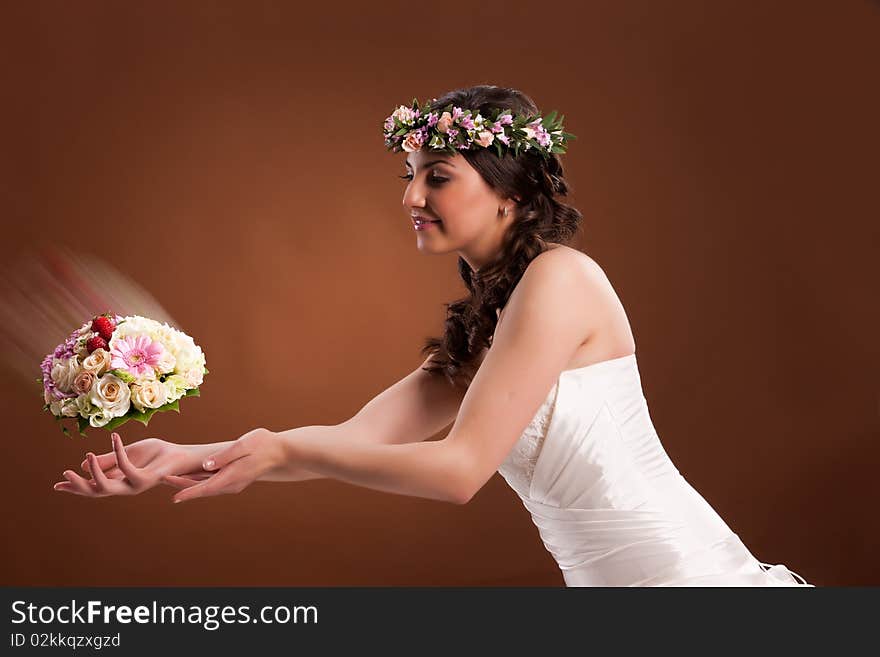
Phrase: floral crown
(453,129)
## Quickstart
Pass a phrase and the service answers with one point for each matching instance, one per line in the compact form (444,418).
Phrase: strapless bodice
(608,502)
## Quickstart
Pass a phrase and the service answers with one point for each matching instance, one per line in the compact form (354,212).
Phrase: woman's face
(448,189)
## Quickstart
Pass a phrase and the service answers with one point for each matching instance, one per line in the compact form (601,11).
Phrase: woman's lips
(421,223)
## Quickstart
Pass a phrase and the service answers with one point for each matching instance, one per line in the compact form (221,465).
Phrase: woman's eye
(432,179)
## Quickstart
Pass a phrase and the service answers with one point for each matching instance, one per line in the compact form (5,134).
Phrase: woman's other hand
(234,468)
(136,468)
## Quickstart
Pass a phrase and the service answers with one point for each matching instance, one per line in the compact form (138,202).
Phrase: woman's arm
(439,470)
(434,469)
(412,410)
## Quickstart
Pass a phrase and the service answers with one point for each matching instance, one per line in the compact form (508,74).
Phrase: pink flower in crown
(456,113)
(136,354)
(504,139)
(432,119)
(505,119)
(543,137)
(467,123)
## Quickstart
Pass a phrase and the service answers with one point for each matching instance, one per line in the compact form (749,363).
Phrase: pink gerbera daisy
(137,354)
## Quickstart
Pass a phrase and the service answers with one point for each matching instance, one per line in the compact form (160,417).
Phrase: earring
(505,211)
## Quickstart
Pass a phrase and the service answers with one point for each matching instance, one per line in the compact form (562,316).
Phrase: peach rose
(444,122)
(83,382)
(97,362)
(485,138)
(413,142)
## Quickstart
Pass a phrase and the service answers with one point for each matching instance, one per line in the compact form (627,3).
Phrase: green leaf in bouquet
(192,392)
(207,371)
(122,374)
(144,418)
(117,422)
(82,423)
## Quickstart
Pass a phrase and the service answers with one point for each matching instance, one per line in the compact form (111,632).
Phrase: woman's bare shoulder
(565,253)
(589,282)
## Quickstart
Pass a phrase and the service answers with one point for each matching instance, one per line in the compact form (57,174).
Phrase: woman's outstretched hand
(235,467)
(136,468)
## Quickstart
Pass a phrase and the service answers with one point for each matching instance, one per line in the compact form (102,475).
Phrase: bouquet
(114,369)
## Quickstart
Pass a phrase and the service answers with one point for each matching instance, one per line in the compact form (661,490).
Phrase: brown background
(724,165)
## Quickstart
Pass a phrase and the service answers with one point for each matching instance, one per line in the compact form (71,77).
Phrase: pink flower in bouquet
(136,354)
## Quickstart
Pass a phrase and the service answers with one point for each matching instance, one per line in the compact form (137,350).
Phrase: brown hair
(539,217)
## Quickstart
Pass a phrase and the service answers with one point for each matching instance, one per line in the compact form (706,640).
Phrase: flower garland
(454,129)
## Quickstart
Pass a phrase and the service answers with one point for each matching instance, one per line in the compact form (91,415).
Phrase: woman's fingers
(178,481)
(228,480)
(78,484)
(226,456)
(66,487)
(102,485)
(132,473)
(106,461)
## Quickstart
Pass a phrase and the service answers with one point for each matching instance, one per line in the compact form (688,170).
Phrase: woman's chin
(431,244)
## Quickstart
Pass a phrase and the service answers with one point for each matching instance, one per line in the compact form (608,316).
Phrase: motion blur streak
(47,293)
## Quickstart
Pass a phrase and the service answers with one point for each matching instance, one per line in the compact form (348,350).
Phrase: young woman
(555,405)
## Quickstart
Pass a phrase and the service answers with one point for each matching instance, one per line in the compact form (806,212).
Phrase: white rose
(112,395)
(64,372)
(151,394)
(166,363)
(194,377)
(100,418)
(55,408)
(136,325)
(98,362)
(189,355)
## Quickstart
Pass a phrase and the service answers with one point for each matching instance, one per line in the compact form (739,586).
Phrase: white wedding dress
(609,504)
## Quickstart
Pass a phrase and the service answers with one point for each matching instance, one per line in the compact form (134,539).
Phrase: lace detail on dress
(519,466)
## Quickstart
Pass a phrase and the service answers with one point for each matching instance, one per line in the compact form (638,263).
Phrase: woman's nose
(414,196)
